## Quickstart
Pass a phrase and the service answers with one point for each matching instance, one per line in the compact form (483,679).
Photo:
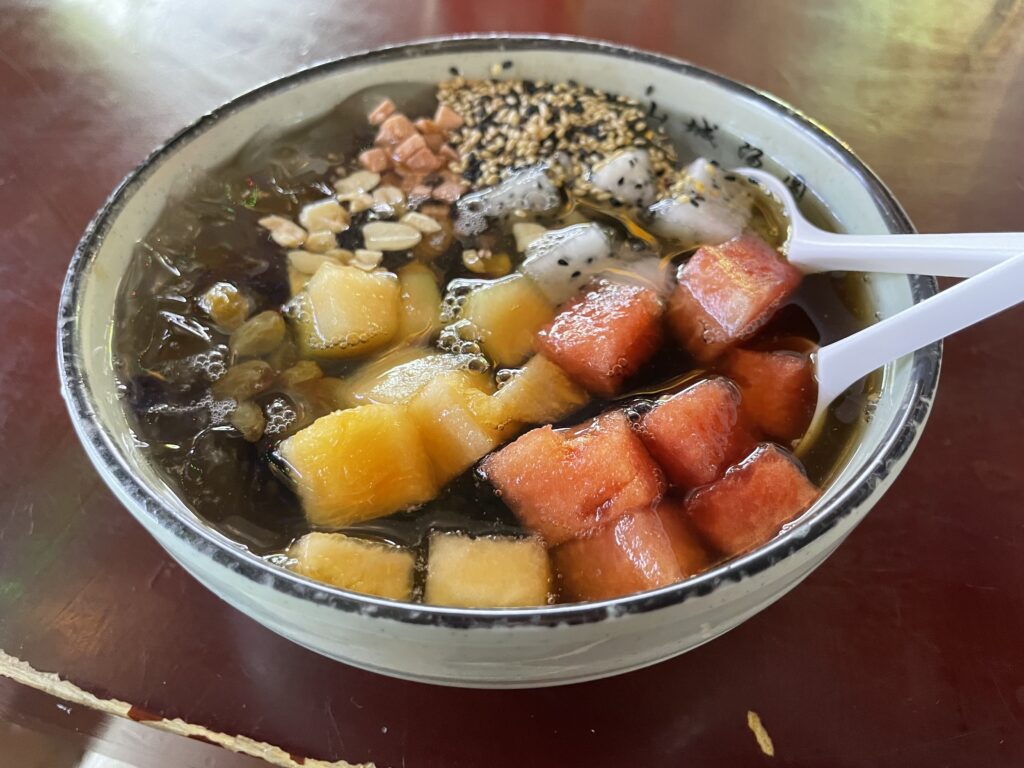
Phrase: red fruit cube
(726,292)
(697,433)
(382,112)
(754,499)
(563,483)
(603,336)
(409,147)
(394,130)
(375,159)
(779,390)
(630,554)
(690,552)
(447,119)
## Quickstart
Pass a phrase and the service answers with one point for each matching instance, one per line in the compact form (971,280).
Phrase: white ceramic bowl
(494,648)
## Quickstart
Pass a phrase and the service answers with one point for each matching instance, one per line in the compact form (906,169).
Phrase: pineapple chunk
(508,313)
(490,572)
(359,464)
(420,314)
(398,375)
(539,393)
(296,280)
(363,566)
(346,312)
(454,424)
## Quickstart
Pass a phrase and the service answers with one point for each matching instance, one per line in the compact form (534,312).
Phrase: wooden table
(905,649)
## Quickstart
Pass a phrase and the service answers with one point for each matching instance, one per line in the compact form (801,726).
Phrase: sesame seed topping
(511,124)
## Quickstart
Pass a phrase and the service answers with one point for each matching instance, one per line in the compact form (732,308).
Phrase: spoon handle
(948,255)
(840,364)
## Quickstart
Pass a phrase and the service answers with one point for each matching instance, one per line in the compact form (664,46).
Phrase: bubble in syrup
(280,415)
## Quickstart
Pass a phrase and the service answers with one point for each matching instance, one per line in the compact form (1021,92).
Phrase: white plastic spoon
(811,249)
(840,364)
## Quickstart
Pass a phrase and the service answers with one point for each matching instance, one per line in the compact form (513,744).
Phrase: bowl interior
(705,113)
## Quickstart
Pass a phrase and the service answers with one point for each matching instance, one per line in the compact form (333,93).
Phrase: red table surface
(906,648)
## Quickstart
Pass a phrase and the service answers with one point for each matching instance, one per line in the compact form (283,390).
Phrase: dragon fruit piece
(627,176)
(563,260)
(709,206)
(529,190)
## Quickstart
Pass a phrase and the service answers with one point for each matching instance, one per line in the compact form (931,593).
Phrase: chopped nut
(388,198)
(324,215)
(360,202)
(285,233)
(366,259)
(525,233)
(248,419)
(320,242)
(425,224)
(259,334)
(356,183)
(308,263)
(483,262)
(227,306)
(244,380)
(304,370)
(389,236)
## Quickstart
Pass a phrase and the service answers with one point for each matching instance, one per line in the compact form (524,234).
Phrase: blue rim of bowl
(899,438)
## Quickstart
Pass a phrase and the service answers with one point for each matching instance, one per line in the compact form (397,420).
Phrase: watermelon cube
(603,336)
(691,554)
(563,483)
(630,554)
(779,390)
(726,292)
(697,433)
(752,502)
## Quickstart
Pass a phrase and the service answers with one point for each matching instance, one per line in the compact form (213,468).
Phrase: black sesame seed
(730,177)
(563,263)
(454,71)
(621,181)
(529,86)
(590,259)
(576,274)
(616,203)
(652,108)
(638,186)
(649,90)
(507,64)
(694,203)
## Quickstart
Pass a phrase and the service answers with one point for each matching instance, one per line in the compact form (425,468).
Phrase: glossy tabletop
(905,649)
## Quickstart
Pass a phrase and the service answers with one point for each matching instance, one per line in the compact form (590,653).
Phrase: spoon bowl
(812,250)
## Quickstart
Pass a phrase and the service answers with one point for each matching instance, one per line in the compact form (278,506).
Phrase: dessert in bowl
(471,361)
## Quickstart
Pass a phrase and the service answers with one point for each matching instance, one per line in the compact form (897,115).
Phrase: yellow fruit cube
(359,464)
(452,416)
(420,313)
(398,375)
(296,280)
(508,313)
(359,565)
(539,393)
(491,572)
(346,312)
